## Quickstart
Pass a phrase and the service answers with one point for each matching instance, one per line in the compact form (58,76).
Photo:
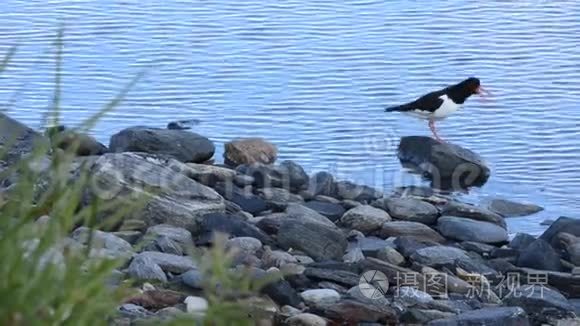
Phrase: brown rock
(249,151)
(157,299)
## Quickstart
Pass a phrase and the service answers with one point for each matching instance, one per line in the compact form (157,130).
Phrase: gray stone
(353,255)
(179,235)
(210,174)
(17,140)
(407,245)
(276,258)
(342,277)
(279,195)
(465,229)
(317,240)
(365,218)
(247,245)
(494,316)
(322,183)
(196,306)
(539,255)
(231,225)
(478,247)
(539,302)
(507,208)
(182,145)
(348,190)
(320,297)
(168,262)
(410,209)
(521,241)
(145,269)
(331,210)
(305,319)
(562,224)
(300,212)
(131,237)
(193,278)
(458,209)
(438,255)
(134,311)
(175,199)
(406,228)
(416,316)
(103,244)
(447,165)
(295,173)
(370,246)
(411,296)
(164,244)
(391,255)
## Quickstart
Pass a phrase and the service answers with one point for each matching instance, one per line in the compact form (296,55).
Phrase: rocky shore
(350,254)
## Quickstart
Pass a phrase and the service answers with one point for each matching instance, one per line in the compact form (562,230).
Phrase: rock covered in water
(182,145)
(508,208)
(249,151)
(459,209)
(447,165)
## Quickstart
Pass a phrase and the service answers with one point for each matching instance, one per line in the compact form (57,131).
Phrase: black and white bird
(440,104)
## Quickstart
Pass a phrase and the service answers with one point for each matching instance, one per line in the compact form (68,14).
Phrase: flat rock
(317,240)
(438,255)
(416,316)
(320,297)
(332,211)
(167,262)
(465,229)
(539,255)
(246,200)
(407,245)
(406,228)
(458,209)
(370,246)
(361,193)
(249,151)
(410,209)
(182,145)
(305,319)
(411,296)
(353,255)
(338,276)
(539,302)
(180,202)
(496,316)
(477,247)
(365,218)
(507,208)
(446,165)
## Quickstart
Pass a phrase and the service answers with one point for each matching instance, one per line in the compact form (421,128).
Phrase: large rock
(320,297)
(143,268)
(494,316)
(405,228)
(447,165)
(458,209)
(539,255)
(249,151)
(438,255)
(465,229)
(409,209)
(539,302)
(182,145)
(170,196)
(103,244)
(319,241)
(303,213)
(17,140)
(507,208)
(562,224)
(179,235)
(297,177)
(365,218)
(332,211)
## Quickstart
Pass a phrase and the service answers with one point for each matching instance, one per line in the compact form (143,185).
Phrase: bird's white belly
(447,108)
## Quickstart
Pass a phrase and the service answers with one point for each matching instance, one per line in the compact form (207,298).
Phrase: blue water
(313,77)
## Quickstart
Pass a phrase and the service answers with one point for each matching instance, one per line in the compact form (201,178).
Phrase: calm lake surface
(314,76)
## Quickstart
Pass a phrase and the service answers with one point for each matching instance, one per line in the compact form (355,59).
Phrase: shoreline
(432,254)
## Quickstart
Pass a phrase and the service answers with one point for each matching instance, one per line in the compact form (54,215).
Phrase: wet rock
(562,224)
(181,202)
(17,140)
(508,208)
(352,312)
(305,319)
(177,234)
(303,213)
(317,240)
(390,255)
(473,212)
(539,302)
(192,278)
(322,183)
(103,244)
(409,209)
(145,269)
(447,165)
(521,241)
(320,297)
(348,190)
(338,276)
(332,211)
(182,145)
(539,255)
(167,262)
(233,226)
(406,228)
(407,245)
(249,151)
(264,176)
(365,218)
(438,255)
(209,174)
(295,174)
(83,144)
(465,229)
(495,316)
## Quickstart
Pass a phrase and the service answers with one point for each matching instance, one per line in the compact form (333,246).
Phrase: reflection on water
(314,77)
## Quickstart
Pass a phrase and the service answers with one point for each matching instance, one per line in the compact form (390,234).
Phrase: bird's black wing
(428,102)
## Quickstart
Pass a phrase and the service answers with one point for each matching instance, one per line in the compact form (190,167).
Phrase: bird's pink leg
(434,130)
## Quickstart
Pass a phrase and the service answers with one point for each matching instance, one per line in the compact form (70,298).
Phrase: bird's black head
(461,91)
(471,85)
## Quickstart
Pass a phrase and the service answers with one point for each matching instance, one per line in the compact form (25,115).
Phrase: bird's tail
(399,108)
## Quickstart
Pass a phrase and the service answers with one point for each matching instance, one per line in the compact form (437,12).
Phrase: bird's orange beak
(482,91)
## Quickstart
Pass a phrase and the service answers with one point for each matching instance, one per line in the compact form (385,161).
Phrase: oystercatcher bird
(440,104)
